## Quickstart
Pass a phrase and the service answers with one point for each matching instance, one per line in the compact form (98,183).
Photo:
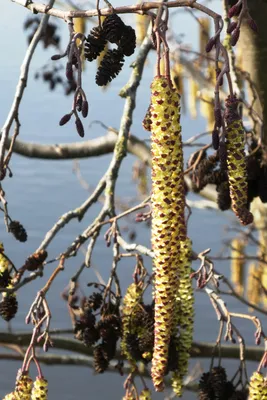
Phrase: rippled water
(41,191)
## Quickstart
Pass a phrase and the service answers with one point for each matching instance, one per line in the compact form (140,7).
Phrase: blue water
(41,191)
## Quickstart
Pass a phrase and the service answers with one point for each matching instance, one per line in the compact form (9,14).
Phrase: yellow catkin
(142,22)
(207,109)
(236,162)
(145,395)
(204,34)
(257,387)
(254,283)
(238,264)
(169,239)
(185,306)
(193,96)
(4,263)
(40,389)
(132,299)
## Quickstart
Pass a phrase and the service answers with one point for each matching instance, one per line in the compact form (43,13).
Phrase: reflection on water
(41,191)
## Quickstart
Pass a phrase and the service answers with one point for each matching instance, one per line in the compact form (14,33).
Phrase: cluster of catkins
(214,385)
(173,292)
(49,36)
(9,303)
(26,389)
(113,30)
(102,334)
(238,177)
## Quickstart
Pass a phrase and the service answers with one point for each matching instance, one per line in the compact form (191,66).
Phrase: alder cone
(94,44)
(113,28)
(110,67)
(128,41)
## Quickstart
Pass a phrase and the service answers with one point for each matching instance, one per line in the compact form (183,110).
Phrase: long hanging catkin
(236,162)
(171,247)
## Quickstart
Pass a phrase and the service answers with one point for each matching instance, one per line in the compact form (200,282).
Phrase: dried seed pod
(236,162)
(94,43)
(35,260)
(110,67)
(113,28)
(65,119)
(40,389)
(101,363)
(79,127)
(17,229)
(127,43)
(8,306)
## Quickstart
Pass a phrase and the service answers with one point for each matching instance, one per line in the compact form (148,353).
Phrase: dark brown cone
(35,260)
(8,307)
(110,67)
(94,44)
(100,361)
(113,28)
(128,41)
(17,229)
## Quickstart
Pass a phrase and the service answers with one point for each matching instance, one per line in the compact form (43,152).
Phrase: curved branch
(199,349)
(140,7)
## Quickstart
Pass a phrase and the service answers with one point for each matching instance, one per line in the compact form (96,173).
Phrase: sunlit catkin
(185,310)
(40,389)
(254,283)
(257,387)
(238,264)
(168,224)
(236,162)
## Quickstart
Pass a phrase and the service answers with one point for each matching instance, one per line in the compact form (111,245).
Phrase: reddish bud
(235,10)
(210,44)
(79,127)
(65,119)
(56,57)
(252,24)
(85,108)
(215,139)
(235,37)
(69,72)
(231,27)
(79,103)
